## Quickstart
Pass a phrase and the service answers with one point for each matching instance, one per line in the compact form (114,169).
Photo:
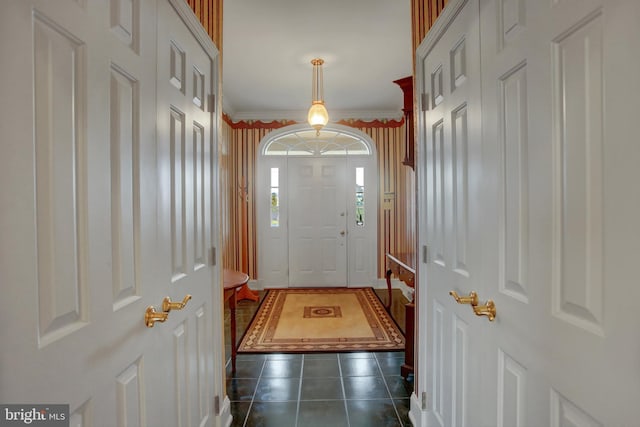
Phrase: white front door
(557,214)
(317,222)
(103,214)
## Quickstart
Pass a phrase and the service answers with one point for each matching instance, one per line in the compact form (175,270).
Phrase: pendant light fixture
(318,116)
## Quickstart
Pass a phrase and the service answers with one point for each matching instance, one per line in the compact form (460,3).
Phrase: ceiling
(268,46)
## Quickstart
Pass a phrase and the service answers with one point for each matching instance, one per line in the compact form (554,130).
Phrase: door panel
(185,152)
(451,76)
(317,222)
(545,190)
(556,216)
(83,226)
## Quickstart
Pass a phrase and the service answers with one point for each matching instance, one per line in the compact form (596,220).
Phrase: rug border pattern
(259,337)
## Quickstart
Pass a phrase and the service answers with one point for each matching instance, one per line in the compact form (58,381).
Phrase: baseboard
(396,284)
(421,417)
(224,418)
(255,285)
(415,411)
(381,283)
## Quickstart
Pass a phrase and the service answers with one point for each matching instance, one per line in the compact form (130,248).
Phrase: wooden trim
(257,124)
(356,123)
(276,124)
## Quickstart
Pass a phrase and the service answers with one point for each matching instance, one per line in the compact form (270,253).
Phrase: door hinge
(216,405)
(424,400)
(212,103)
(424,101)
(212,256)
(425,254)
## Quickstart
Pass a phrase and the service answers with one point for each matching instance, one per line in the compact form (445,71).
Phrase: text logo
(39,415)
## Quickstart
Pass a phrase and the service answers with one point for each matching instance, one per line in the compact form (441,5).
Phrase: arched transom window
(307,143)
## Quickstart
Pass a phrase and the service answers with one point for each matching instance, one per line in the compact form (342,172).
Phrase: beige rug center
(351,323)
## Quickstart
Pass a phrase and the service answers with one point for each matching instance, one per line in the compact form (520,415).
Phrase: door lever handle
(489,310)
(151,316)
(471,299)
(168,305)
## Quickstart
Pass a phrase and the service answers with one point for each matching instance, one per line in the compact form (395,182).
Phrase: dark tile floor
(326,389)
(317,389)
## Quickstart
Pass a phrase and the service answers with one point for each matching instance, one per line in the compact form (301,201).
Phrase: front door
(105,210)
(317,222)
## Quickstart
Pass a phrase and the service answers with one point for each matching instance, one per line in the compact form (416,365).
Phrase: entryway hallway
(318,389)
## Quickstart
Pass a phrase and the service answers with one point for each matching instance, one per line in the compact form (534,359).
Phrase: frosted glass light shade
(318,116)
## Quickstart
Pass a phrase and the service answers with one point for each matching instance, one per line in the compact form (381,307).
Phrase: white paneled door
(317,222)
(453,155)
(527,175)
(106,208)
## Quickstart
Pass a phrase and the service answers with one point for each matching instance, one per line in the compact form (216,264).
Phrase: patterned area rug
(317,320)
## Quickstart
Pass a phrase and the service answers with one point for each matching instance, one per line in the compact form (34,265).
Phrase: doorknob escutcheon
(168,305)
(489,310)
(151,316)
(471,299)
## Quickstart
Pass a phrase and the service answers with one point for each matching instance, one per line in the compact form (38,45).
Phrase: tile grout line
(299,390)
(344,392)
(253,396)
(384,380)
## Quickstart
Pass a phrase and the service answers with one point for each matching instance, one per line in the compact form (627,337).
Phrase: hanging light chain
(317,92)
(318,115)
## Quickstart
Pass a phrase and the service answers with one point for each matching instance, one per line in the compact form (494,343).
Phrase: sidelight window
(360,197)
(275,197)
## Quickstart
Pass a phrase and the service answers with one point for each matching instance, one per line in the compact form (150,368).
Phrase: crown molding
(301,116)
(227,109)
(256,124)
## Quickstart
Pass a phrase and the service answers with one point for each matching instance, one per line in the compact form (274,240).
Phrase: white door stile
(361,241)
(187,165)
(453,228)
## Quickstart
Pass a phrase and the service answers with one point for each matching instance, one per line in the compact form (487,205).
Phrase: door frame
(273,242)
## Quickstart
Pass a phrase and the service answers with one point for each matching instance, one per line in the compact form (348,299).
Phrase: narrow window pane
(275,198)
(360,197)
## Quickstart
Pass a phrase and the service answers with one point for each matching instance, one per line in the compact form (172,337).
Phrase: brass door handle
(151,316)
(168,305)
(489,310)
(471,299)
